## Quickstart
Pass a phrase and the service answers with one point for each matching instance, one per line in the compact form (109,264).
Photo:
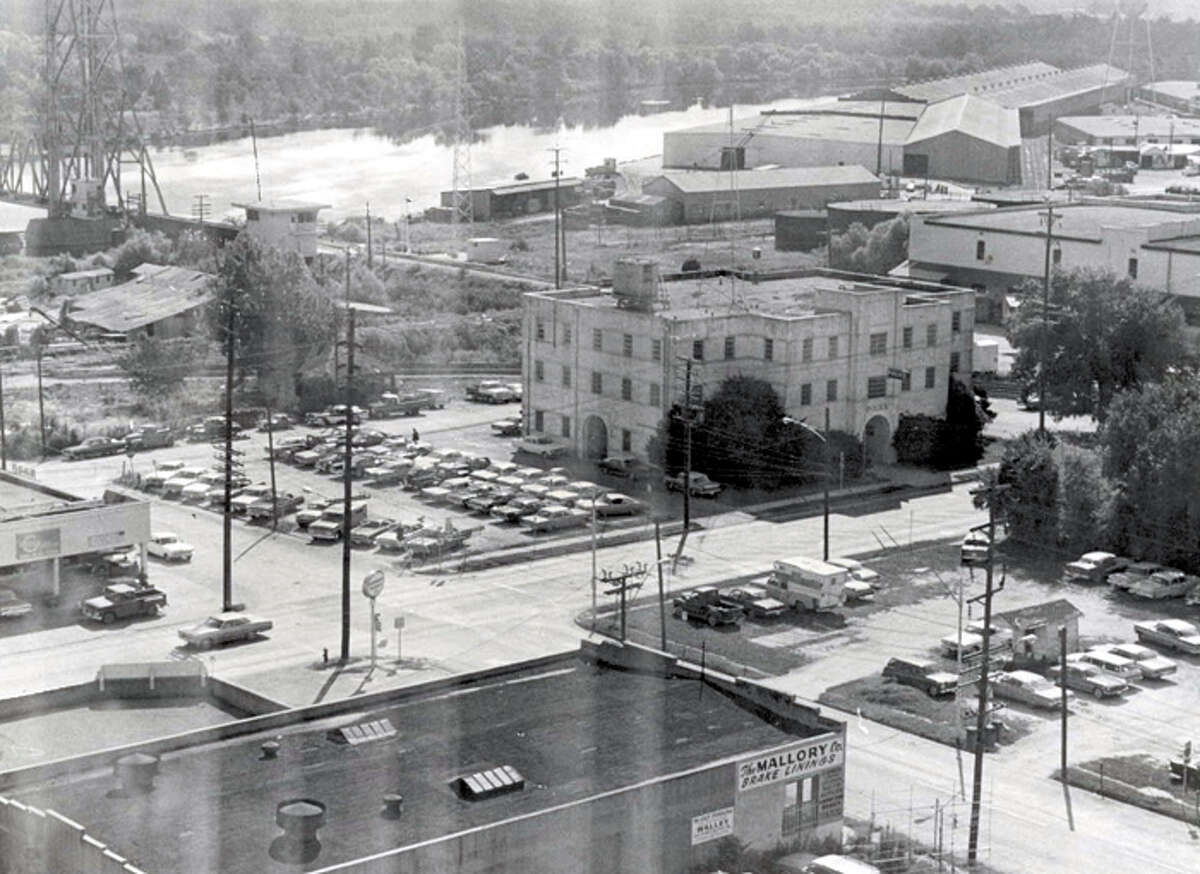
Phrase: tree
(1028,505)
(1105,334)
(877,250)
(944,443)
(1085,499)
(1148,452)
(156,369)
(141,247)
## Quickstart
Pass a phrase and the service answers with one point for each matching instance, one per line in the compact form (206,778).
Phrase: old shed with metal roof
(160,301)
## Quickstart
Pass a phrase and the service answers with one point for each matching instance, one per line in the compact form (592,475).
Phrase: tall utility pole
(825,491)
(226,504)
(1049,218)
(1062,651)
(687,455)
(41,394)
(370,250)
(347,459)
(557,221)
(1050,157)
(662,600)
(629,579)
(982,709)
(3,430)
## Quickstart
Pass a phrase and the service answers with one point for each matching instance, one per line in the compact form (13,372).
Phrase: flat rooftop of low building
(572,730)
(282,205)
(898,205)
(23,497)
(768,178)
(1181,89)
(833,123)
(1189,244)
(1079,221)
(1140,126)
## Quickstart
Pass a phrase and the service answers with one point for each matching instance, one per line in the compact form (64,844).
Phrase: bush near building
(877,250)
(944,443)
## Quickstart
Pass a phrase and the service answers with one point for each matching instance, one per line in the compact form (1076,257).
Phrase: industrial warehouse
(964,128)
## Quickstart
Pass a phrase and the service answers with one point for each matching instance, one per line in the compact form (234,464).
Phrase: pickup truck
(285,503)
(479,391)
(705,604)
(149,437)
(329,526)
(251,493)
(335,415)
(391,404)
(12,607)
(921,674)
(121,600)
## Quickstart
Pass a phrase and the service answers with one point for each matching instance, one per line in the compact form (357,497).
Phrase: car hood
(769,604)
(942,677)
(178,547)
(98,603)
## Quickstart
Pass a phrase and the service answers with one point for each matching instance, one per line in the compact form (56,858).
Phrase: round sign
(372,584)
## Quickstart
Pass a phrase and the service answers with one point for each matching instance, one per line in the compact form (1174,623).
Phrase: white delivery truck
(807,583)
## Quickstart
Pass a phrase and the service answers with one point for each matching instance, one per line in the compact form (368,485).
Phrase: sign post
(398,623)
(372,586)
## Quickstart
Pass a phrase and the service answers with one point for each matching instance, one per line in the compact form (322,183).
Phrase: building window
(879,343)
(806,350)
(566,428)
(656,350)
(768,349)
(597,382)
(541,330)
(955,321)
(626,389)
(800,805)
(627,345)
(1133,268)
(698,350)
(907,337)
(931,335)
(806,394)
(539,371)
(876,386)
(539,420)
(906,381)
(833,347)
(930,376)
(626,440)
(730,348)
(955,358)
(831,390)
(655,395)
(1056,256)
(566,381)
(566,335)
(980,250)
(597,339)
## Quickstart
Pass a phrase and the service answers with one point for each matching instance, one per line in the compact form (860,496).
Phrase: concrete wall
(36,841)
(278,230)
(702,150)
(700,207)
(955,155)
(86,530)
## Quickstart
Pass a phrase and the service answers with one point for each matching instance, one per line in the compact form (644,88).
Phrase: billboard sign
(791,763)
(712,825)
(43,543)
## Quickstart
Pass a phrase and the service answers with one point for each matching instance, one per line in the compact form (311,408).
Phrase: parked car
(329,526)
(122,600)
(117,564)
(226,628)
(1093,567)
(541,445)
(626,466)
(277,422)
(285,502)
(518,508)
(1026,687)
(366,533)
(921,674)
(1133,573)
(167,546)
(1154,666)
(12,607)
(1160,585)
(1175,634)
(1111,663)
(94,447)
(335,415)
(706,604)
(149,436)
(555,517)
(485,501)
(312,511)
(197,489)
(163,471)
(510,427)
(858,571)
(698,484)
(615,504)
(1089,679)
(836,863)
(251,493)
(755,602)
(185,476)
(975,549)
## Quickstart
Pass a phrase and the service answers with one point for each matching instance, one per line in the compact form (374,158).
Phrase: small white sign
(713,825)
(372,584)
(398,622)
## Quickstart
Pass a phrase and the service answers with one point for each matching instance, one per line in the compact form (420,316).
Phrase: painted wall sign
(712,825)
(38,544)
(791,763)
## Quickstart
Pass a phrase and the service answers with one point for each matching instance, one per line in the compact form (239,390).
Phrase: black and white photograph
(599,436)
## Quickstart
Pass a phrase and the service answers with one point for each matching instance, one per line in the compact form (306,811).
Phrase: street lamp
(824,438)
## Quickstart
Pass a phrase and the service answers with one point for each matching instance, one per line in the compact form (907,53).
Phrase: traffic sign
(372,584)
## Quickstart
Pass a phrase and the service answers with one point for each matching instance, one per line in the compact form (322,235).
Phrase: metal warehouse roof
(157,293)
(1113,126)
(1180,89)
(984,80)
(538,185)
(854,122)
(971,115)
(1079,220)
(1066,83)
(571,730)
(705,181)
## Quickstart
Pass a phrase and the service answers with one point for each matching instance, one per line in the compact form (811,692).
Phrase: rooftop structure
(512,199)
(1179,94)
(502,771)
(161,301)
(286,225)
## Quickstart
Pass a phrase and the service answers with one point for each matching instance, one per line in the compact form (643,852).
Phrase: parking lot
(807,653)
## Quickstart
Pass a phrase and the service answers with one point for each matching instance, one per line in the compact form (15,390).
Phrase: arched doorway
(595,437)
(877,441)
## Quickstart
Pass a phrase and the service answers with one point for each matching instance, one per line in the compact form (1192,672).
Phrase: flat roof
(23,497)
(571,729)
(897,205)
(979,82)
(505,188)
(1080,221)
(831,124)
(704,181)
(1133,125)
(1181,89)
(1065,83)
(283,205)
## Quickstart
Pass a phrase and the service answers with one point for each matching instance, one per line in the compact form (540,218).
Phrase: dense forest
(393,63)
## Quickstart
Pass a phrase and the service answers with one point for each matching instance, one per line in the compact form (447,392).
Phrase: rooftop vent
(487,784)
(376,729)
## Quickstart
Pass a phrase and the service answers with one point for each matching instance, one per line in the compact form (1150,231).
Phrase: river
(348,167)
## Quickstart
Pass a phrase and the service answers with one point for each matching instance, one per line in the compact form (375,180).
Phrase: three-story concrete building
(602,366)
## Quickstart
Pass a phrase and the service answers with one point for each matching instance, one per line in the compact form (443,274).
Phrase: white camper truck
(807,583)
